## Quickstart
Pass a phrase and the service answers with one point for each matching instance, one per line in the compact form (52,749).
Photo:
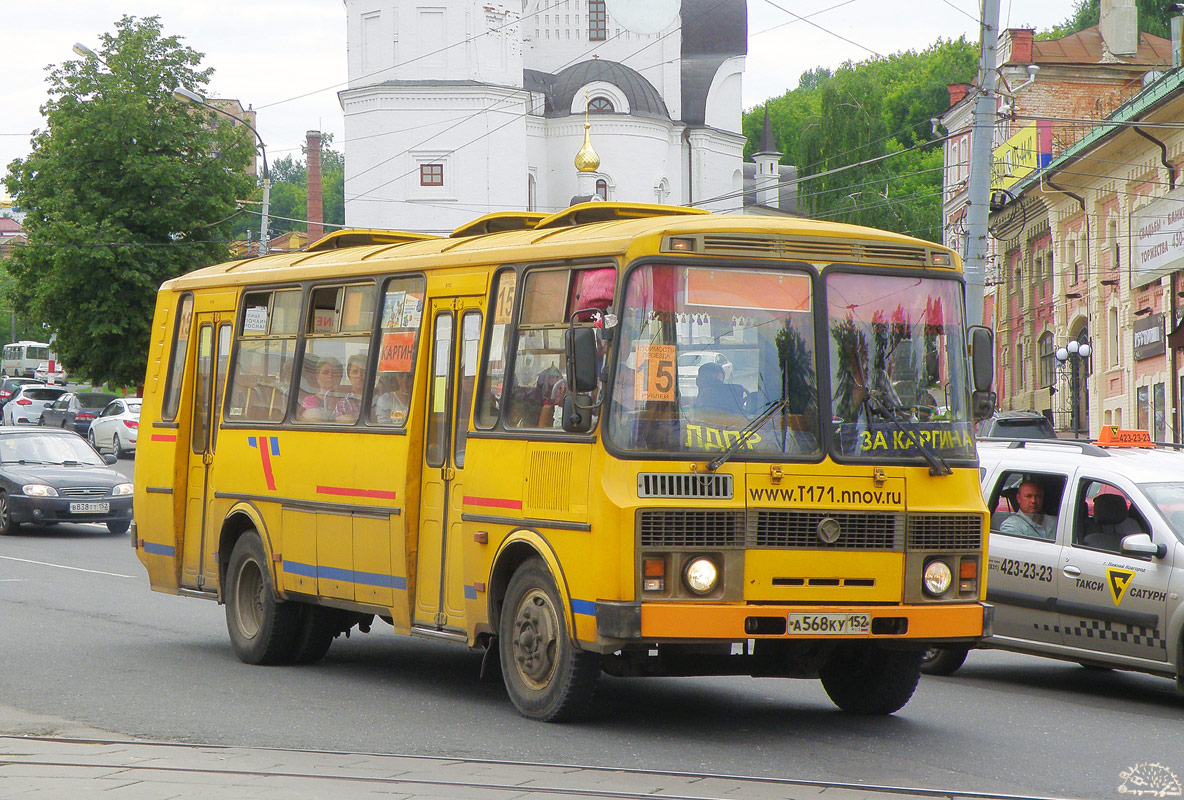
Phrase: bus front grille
(800,530)
(945,532)
(691,529)
(684,484)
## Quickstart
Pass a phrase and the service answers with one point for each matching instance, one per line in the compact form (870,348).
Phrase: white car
(28,402)
(42,373)
(689,362)
(117,427)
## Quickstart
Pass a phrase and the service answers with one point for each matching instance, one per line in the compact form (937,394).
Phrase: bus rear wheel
(867,679)
(263,629)
(547,678)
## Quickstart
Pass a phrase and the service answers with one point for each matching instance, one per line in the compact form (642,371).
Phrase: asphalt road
(84,639)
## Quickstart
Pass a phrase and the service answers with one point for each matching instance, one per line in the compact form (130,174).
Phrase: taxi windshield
(897,367)
(713,359)
(1168,499)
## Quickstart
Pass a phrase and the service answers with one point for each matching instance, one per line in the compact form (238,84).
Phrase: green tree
(857,136)
(124,188)
(289,192)
(1154,18)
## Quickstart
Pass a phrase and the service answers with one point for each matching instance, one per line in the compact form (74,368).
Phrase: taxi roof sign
(1113,436)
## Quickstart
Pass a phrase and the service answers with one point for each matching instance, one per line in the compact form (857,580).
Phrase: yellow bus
(632,439)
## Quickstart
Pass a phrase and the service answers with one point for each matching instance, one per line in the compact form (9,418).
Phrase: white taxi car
(1100,581)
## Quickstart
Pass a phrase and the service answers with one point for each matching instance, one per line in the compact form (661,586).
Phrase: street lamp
(185,96)
(1070,363)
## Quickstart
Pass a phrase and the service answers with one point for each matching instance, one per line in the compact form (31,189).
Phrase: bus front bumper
(735,622)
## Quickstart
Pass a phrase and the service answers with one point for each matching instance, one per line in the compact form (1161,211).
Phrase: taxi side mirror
(1140,544)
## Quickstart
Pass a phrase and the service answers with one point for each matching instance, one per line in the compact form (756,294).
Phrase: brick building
(1044,258)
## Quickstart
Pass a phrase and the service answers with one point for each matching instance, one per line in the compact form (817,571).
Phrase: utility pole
(978,189)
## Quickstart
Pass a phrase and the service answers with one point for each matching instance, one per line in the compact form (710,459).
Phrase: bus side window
(172,392)
(493,374)
(261,375)
(336,354)
(399,323)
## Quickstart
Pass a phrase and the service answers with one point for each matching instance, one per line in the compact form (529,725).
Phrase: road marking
(63,566)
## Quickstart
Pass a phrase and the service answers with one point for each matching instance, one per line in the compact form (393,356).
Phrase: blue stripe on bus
(160,549)
(275,445)
(586,607)
(470,592)
(346,575)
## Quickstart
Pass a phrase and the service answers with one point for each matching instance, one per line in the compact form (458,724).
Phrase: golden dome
(586,159)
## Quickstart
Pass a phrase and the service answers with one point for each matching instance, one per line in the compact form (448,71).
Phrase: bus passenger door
(451,373)
(209,369)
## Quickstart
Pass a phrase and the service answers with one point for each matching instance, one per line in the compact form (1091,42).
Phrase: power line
(824,30)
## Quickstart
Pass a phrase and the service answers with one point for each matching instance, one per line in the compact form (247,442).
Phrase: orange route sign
(1113,436)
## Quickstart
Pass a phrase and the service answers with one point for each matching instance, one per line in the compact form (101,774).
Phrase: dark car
(76,409)
(49,476)
(9,386)
(1016,425)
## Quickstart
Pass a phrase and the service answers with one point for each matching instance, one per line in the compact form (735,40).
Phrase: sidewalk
(71,769)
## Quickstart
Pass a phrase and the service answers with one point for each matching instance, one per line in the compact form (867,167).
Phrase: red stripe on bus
(493,502)
(265,454)
(347,492)
(164,437)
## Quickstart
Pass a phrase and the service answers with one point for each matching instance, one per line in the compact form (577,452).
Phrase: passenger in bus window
(317,407)
(390,407)
(350,406)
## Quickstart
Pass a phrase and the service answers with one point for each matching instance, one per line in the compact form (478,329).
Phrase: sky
(286,58)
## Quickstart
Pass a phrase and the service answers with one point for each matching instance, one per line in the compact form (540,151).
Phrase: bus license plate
(814,624)
(89,508)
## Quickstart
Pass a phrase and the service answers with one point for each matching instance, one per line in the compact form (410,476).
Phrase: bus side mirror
(577,413)
(581,360)
(982,357)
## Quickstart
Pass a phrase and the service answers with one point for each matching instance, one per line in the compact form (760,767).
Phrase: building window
(601,104)
(1048,360)
(1019,287)
(431,174)
(597,21)
(1115,341)
(1019,366)
(602,188)
(1114,251)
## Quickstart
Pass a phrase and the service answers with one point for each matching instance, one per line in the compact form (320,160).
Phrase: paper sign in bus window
(397,352)
(255,319)
(655,373)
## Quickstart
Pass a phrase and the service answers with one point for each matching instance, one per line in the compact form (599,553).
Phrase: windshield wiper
(23,461)
(745,432)
(887,410)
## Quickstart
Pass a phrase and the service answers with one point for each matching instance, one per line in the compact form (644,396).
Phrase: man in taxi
(1031,521)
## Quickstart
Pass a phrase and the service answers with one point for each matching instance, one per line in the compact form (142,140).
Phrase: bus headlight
(701,575)
(938,577)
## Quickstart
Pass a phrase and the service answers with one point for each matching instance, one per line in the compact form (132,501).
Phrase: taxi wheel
(547,678)
(943,660)
(866,679)
(263,629)
(7,526)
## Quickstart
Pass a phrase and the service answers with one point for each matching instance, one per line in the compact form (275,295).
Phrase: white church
(457,108)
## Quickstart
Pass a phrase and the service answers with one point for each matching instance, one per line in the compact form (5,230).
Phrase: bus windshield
(897,366)
(704,351)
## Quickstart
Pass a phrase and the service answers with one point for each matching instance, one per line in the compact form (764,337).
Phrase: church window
(601,104)
(597,21)
(431,174)
(602,188)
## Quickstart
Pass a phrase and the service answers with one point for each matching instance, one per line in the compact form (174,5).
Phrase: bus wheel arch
(519,547)
(242,519)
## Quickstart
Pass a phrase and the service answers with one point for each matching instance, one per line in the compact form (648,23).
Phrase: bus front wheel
(263,628)
(547,678)
(866,679)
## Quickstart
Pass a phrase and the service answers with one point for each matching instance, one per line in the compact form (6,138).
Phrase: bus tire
(263,629)
(867,679)
(943,660)
(318,628)
(547,678)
